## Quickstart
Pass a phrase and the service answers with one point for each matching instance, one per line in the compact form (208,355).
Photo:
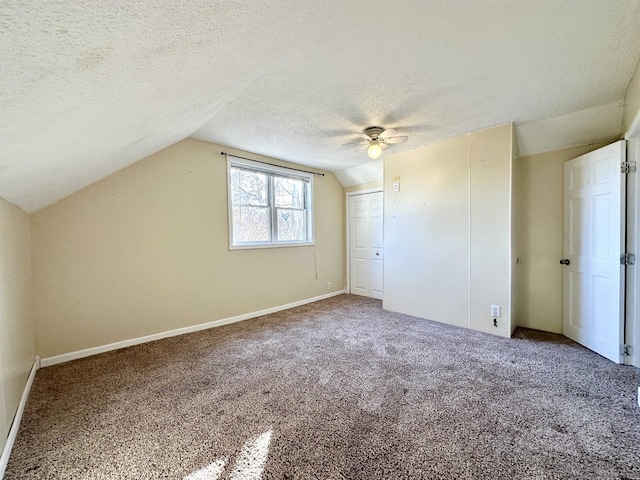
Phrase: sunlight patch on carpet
(252,458)
(248,466)
(210,472)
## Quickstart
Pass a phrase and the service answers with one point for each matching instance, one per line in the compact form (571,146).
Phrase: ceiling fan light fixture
(374,151)
(376,139)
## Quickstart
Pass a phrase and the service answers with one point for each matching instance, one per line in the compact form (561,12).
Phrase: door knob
(378,253)
(565,261)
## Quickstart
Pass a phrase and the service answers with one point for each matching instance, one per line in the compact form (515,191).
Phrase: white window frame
(271,171)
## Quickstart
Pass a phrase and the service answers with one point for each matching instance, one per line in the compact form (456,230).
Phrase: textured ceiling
(592,125)
(89,87)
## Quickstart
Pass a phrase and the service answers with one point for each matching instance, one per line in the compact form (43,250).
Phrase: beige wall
(540,238)
(448,232)
(146,250)
(16,322)
(632,101)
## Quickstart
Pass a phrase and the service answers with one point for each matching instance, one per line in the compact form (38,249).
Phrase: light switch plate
(396,186)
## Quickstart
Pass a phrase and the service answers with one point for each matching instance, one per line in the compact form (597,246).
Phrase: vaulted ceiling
(87,88)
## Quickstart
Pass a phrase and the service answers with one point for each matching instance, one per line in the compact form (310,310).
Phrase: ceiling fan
(377,139)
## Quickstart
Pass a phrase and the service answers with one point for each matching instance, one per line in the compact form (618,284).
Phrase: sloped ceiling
(592,125)
(90,87)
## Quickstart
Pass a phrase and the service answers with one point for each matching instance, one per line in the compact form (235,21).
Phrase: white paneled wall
(426,232)
(449,231)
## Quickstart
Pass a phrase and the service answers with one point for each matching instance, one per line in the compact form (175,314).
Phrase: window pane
(248,188)
(250,224)
(288,192)
(291,225)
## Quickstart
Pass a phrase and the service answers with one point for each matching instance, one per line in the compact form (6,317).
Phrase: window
(268,206)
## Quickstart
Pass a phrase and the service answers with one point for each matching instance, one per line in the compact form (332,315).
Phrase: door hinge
(628,167)
(627,259)
(625,350)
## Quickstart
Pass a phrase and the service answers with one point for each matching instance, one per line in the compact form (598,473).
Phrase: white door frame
(632,306)
(348,196)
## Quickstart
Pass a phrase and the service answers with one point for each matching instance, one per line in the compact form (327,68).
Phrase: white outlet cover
(495,311)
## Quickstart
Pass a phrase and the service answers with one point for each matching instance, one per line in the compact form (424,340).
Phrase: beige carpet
(338,389)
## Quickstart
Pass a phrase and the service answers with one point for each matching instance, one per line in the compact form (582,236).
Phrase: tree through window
(268,206)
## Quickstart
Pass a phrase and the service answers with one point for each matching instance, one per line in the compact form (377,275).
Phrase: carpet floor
(337,389)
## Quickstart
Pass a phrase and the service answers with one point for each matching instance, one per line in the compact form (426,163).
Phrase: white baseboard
(13,432)
(66,357)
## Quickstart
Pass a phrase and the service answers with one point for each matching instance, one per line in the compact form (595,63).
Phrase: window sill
(270,245)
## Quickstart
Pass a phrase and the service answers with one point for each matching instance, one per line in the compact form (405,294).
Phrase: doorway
(365,248)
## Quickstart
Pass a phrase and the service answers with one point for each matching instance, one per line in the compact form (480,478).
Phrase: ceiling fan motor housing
(373,132)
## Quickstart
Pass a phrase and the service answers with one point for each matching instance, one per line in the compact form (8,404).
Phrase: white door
(594,189)
(366,248)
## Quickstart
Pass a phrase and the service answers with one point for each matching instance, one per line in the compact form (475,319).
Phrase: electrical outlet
(495,311)
(328,285)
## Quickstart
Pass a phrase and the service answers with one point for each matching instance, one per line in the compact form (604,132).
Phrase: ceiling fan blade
(363,147)
(388,133)
(383,146)
(398,139)
(363,135)
(359,142)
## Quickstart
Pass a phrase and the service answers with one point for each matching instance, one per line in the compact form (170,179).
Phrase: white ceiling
(89,87)
(592,125)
